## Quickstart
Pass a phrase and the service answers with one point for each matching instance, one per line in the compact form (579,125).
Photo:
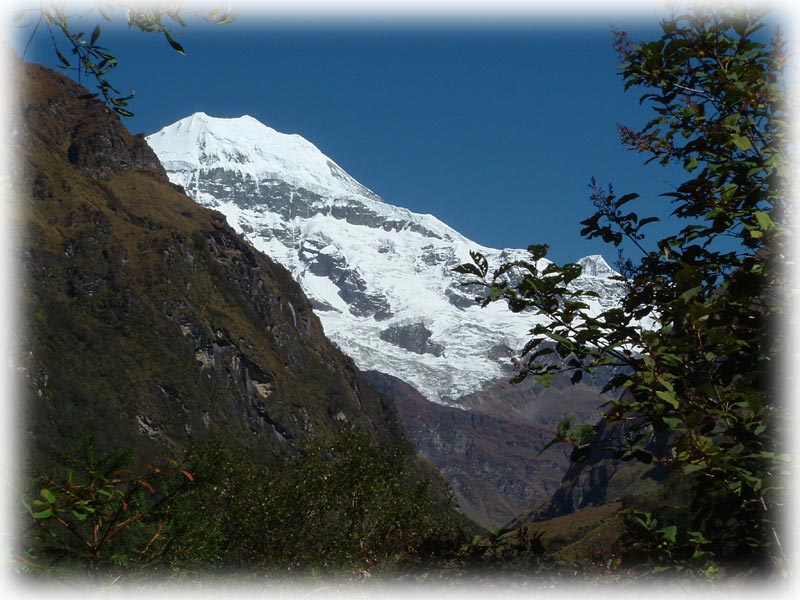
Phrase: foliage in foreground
(340,505)
(103,511)
(86,57)
(694,342)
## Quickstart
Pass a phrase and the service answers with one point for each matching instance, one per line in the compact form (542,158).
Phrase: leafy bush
(694,343)
(100,513)
(340,504)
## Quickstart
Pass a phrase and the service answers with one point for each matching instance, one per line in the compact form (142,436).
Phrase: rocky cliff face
(601,479)
(149,322)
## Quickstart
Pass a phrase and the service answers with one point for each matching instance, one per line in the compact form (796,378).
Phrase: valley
(381,281)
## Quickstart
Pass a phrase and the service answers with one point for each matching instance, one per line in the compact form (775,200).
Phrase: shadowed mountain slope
(148,322)
(491,451)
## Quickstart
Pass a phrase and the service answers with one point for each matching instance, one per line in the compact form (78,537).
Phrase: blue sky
(496,129)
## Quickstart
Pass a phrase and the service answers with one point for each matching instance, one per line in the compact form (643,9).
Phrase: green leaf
(669,397)
(95,35)
(466,269)
(670,532)
(564,426)
(63,59)
(48,495)
(43,514)
(625,199)
(107,57)
(764,220)
(575,305)
(178,48)
(557,338)
(481,262)
(496,292)
(661,569)
(672,422)
(732,121)
(691,293)
(742,142)
(538,251)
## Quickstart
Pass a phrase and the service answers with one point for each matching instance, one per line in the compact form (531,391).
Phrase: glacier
(380,276)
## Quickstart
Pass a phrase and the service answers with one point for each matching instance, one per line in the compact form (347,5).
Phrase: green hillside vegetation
(341,505)
(181,407)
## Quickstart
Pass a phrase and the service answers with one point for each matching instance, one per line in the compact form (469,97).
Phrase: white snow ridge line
(380,276)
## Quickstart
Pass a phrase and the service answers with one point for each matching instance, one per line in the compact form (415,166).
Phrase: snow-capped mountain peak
(380,276)
(250,148)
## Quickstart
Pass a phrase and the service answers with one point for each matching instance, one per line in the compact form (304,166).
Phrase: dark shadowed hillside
(149,323)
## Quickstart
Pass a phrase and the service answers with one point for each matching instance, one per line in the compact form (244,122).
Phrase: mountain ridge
(150,323)
(252,148)
(381,279)
(380,276)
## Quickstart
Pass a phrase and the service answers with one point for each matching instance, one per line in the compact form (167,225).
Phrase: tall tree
(695,342)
